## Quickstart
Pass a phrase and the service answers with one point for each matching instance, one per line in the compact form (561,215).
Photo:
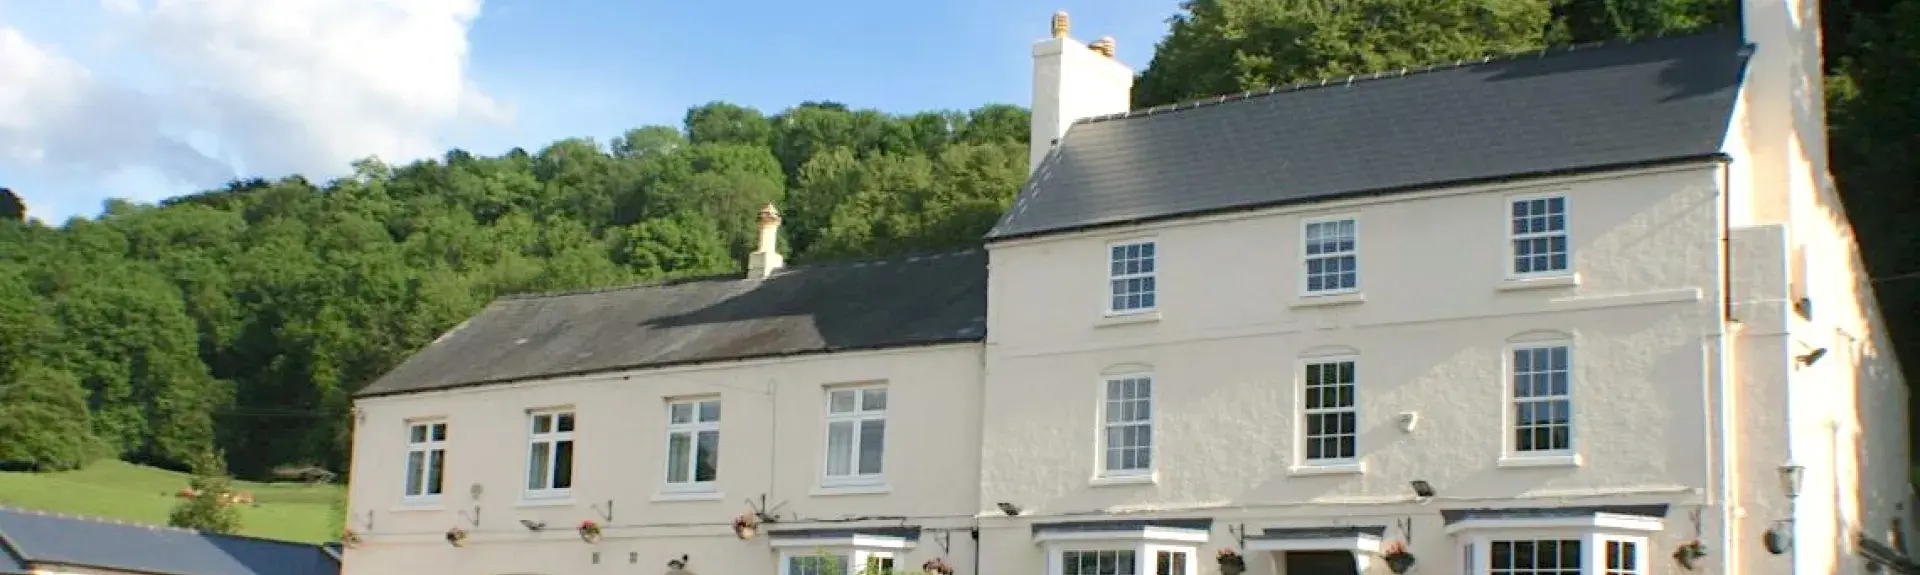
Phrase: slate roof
(39,538)
(1567,110)
(913,300)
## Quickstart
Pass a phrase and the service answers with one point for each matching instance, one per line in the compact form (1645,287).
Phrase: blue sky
(146,99)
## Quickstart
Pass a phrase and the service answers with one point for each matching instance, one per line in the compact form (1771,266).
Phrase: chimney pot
(1104,46)
(1060,24)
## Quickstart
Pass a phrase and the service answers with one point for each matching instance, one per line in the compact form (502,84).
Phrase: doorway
(1320,563)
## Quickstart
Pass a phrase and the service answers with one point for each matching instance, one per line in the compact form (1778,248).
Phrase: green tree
(1225,46)
(11,206)
(211,508)
(43,419)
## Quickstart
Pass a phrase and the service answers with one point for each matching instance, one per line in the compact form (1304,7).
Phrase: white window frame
(1145,543)
(1106,428)
(1477,536)
(856,549)
(1304,412)
(1152,276)
(427,448)
(1512,238)
(1510,428)
(1306,259)
(858,418)
(553,436)
(692,430)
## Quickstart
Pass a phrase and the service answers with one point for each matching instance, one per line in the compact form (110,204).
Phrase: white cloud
(269,86)
(55,114)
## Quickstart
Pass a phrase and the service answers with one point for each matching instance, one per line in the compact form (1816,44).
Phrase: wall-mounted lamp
(1811,357)
(1408,420)
(1422,488)
(1790,479)
(1010,509)
(532,525)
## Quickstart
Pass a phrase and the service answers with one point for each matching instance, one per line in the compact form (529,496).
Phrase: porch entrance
(1319,563)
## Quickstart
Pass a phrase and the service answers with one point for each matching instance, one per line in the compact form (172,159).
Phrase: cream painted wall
(1847,414)
(772,438)
(1431,334)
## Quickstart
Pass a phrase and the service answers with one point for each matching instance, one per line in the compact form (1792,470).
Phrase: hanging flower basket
(745,525)
(457,537)
(937,566)
(1690,554)
(589,531)
(1231,563)
(349,539)
(1397,558)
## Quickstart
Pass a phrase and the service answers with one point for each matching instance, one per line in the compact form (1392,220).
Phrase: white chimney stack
(766,258)
(1073,81)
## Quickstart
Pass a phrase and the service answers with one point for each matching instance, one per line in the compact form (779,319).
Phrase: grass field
(118,490)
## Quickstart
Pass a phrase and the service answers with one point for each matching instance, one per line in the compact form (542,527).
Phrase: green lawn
(118,490)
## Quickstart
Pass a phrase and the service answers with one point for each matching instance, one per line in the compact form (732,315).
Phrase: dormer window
(1130,277)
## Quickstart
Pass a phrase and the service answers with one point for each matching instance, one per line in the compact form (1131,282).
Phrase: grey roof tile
(911,300)
(1558,111)
(45,538)
(907,532)
(1297,533)
(1451,516)
(1106,525)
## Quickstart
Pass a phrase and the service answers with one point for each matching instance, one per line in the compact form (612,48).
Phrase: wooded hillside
(243,318)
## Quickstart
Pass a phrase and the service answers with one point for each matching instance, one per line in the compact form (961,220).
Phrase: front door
(1320,563)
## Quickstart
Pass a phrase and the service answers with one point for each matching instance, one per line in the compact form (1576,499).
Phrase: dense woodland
(242,319)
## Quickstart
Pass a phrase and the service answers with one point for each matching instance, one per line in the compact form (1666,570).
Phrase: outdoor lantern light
(1790,479)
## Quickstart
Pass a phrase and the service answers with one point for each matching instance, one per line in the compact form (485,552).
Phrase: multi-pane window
(856,433)
(550,453)
(426,459)
(1097,563)
(693,443)
(1539,235)
(1332,256)
(1623,558)
(879,565)
(1170,563)
(1542,402)
(1332,422)
(1130,277)
(1542,557)
(818,564)
(1129,425)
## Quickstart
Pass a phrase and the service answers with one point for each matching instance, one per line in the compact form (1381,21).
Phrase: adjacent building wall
(772,435)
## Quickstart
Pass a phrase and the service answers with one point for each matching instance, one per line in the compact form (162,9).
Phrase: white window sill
(1128,317)
(1568,460)
(854,489)
(542,500)
(1540,282)
(1342,468)
(665,496)
(1129,479)
(1318,300)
